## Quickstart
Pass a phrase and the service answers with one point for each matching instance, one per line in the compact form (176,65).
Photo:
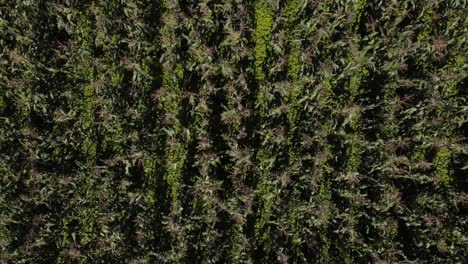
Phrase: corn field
(233,131)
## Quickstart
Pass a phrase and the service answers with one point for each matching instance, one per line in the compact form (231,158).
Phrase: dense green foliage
(233,131)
